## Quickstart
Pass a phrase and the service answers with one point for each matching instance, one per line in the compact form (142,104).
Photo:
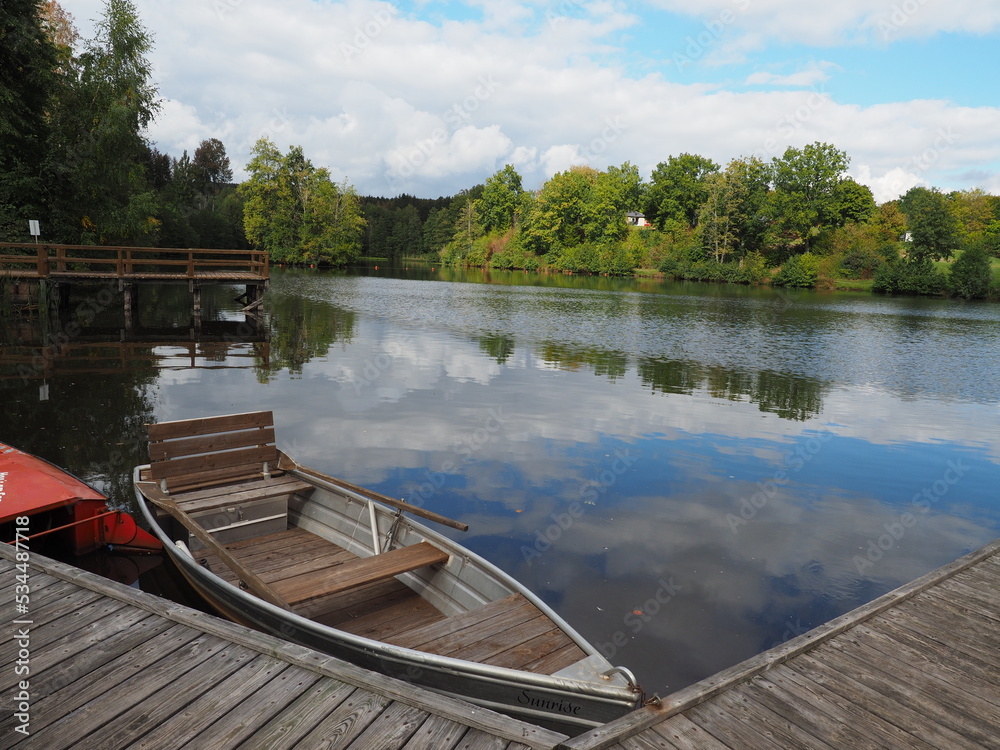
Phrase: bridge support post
(196,304)
(130,297)
(61,298)
(48,297)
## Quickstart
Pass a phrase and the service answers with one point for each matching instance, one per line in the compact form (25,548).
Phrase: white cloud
(826,24)
(890,185)
(396,103)
(812,75)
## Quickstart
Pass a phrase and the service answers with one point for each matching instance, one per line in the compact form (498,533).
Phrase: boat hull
(557,702)
(39,500)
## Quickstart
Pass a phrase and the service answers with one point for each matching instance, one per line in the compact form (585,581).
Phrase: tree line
(797,220)
(74,153)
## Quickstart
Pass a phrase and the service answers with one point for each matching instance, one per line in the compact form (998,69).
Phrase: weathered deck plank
(183,725)
(257,709)
(125,669)
(902,714)
(392,728)
(88,640)
(145,715)
(718,720)
(481,741)
(347,721)
(684,734)
(927,703)
(286,729)
(435,734)
(59,698)
(114,699)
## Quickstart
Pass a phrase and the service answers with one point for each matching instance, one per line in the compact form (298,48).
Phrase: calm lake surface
(689,474)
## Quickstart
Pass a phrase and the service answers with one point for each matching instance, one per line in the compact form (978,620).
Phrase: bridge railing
(43,261)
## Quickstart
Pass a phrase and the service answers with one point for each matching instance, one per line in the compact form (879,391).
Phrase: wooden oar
(287,463)
(152,492)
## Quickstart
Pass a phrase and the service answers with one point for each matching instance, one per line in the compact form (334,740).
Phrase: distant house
(636,219)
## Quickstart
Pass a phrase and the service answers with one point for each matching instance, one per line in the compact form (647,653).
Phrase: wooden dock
(59,266)
(113,667)
(916,668)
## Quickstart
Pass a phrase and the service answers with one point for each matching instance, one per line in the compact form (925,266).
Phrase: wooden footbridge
(60,266)
(113,667)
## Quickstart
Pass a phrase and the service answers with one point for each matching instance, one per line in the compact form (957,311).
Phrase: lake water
(689,474)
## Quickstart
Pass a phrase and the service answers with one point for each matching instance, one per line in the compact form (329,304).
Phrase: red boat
(40,500)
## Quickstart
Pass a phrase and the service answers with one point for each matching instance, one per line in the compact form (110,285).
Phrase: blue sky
(430,98)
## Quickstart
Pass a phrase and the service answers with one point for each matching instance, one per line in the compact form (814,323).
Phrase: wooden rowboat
(315,560)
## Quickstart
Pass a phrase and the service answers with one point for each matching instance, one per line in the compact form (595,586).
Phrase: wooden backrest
(190,453)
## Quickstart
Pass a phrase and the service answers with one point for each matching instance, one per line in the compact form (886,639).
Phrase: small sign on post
(33,229)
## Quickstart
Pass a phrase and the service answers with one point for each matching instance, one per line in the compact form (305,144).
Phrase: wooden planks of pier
(916,668)
(113,667)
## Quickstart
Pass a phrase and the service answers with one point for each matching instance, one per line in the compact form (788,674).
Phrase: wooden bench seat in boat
(509,632)
(359,572)
(199,501)
(222,471)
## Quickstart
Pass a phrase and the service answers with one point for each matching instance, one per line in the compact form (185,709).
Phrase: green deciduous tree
(732,222)
(295,211)
(28,58)
(973,210)
(748,183)
(614,193)
(855,202)
(629,187)
(799,271)
(561,212)
(98,149)
(582,206)
(501,200)
(678,190)
(807,196)
(212,163)
(715,219)
(971,273)
(267,197)
(932,226)
(468,229)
